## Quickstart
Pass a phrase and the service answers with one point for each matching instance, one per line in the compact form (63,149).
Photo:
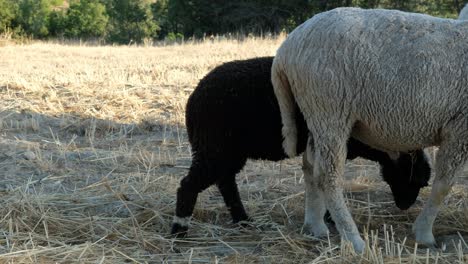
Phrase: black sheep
(233,115)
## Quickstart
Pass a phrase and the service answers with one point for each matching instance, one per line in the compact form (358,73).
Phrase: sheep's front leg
(330,157)
(450,160)
(314,223)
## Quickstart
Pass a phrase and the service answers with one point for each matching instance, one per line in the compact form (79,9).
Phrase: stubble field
(93,146)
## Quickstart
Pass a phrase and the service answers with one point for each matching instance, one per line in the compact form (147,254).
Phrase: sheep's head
(406,176)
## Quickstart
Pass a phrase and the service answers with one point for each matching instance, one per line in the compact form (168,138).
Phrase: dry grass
(93,146)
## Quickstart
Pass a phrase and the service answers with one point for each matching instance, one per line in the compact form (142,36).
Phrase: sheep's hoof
(241,217)
(244,222)
(357,242)
(178,230)
(315,230)
(428,243)
(435,247)
(425,237)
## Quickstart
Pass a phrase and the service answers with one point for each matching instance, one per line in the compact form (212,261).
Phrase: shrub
(85,19)
(33,17)
(131,21)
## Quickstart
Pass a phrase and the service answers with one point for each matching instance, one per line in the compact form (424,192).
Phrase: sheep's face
(406,176)
(406,193)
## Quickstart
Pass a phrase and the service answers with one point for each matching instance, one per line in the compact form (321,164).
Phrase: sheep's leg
(199,178)
(314,223)
(450,161)
(330,157)
(228,188)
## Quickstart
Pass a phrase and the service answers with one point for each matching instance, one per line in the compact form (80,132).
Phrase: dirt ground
(93,146)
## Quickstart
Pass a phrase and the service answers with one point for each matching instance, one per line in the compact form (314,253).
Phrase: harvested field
(93,147)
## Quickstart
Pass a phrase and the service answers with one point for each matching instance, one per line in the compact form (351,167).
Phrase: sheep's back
(400,75)
(233,112)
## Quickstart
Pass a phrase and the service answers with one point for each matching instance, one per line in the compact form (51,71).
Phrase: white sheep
(395,81)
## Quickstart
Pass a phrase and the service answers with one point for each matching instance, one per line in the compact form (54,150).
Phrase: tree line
(127,21)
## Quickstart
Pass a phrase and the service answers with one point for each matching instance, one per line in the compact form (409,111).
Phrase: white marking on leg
(182,221)
(329,166)
(314,213)
(422,227)
(314,223)
(450,160)
(344,222)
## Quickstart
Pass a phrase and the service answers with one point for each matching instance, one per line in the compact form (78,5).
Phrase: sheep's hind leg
(199,178)
(450,161)
(314,223)
(228,188)
(330,158)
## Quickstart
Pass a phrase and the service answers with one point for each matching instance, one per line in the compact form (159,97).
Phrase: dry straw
(93,146)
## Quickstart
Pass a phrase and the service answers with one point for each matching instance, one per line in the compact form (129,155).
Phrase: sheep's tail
(287,107)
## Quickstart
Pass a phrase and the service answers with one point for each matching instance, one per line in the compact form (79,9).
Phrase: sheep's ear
(422,168)
(420,180)
(423,178)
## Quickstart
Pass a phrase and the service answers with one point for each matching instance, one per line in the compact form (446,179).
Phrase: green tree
(7,14)
(131,21)
(195,17)
(367,3)
(125,21)
(33,17)
(161,16)
(57,23)
(85,19)
(223,16)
